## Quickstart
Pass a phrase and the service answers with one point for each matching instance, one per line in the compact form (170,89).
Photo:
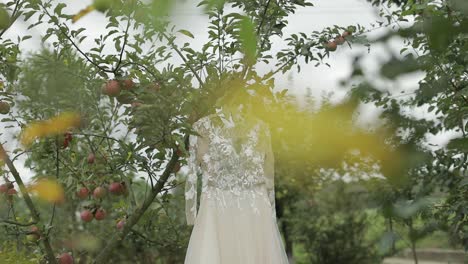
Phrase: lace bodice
(229,159)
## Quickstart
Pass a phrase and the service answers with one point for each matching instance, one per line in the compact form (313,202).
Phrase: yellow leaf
(54,126)
(48,190)
(82,13)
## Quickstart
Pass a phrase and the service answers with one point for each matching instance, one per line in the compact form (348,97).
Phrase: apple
(82,193)
(120,225)
(91,158)
(11,192)
(331,46)
(111,88)
(179,152)
(340,40)
(4,188)
(116,188)
(34,235)
(68,136)
(99,192)
(65,258)
(346,34)
(100,214)
(86,215)
(128,84)
(4,108)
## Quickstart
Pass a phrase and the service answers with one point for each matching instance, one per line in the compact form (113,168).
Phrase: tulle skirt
(235,230)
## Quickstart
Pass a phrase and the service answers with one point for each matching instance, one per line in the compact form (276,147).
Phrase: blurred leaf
(4,18)
(460,5)
(396,67)
(460,144)
(407,208)
(83,241)
(48,190)
(102,5)
(248,39)
(54,126)
(440,32)
(82,13)
(209,4)
(386,242)
(161,8)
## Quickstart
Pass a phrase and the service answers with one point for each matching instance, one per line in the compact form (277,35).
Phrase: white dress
(236,220)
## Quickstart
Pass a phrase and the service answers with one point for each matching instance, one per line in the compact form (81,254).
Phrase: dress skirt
(235,229)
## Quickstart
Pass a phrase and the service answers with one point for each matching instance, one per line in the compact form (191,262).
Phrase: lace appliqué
(229,175)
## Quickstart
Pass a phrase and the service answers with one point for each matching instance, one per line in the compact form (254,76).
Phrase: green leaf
(460,144)
(186,33)
(58,8)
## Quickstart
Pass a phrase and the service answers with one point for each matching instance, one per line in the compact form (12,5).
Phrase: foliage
(10,254)
(137,107)
(336,230)
(140,130)
(435,45)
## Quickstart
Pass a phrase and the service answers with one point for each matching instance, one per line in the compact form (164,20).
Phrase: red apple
(99,192)
(65,258)
(331,46)
(4,108)
(116,188)
(347,34)
(120,225)
(128,84)
(91,158)
(4,188)
(68,136)
(11,192)
(82,193)
(34,235)
(100,214)
(179,152)
(86,215)
(111,88)
(340,40)
(65,144)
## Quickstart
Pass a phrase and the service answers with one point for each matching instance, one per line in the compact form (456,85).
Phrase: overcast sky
(320,79)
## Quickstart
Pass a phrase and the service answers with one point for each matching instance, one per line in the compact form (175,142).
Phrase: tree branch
(171,43)
(34,213)
(117,238)
(75,45)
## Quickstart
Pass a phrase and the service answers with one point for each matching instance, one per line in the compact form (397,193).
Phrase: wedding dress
(236,221)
